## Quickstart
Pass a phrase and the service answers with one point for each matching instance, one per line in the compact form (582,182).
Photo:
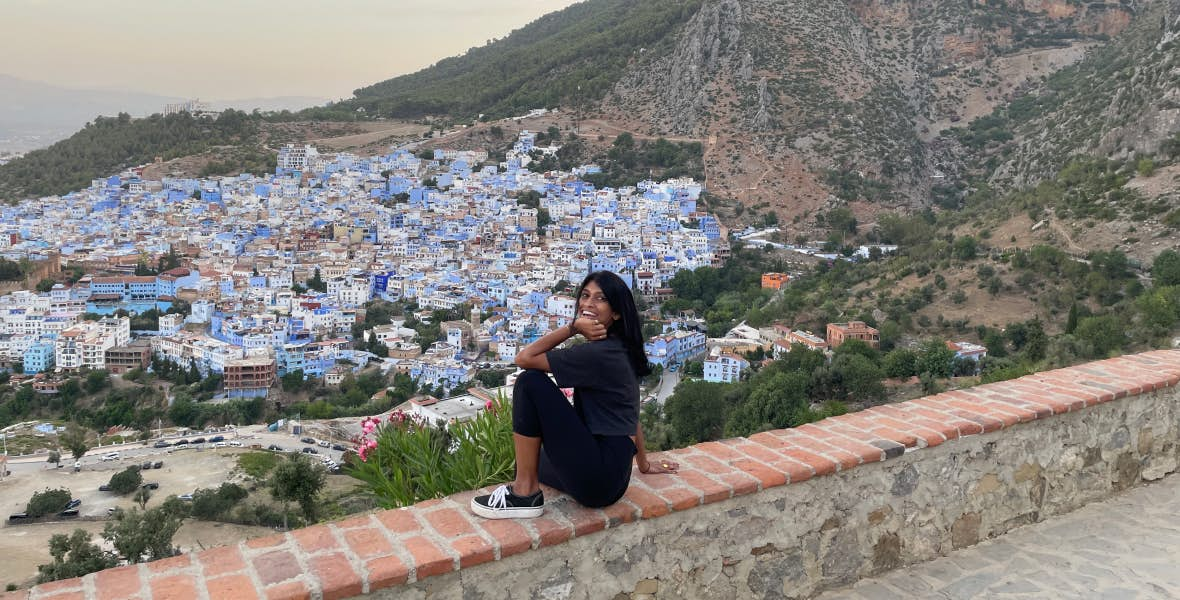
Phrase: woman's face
(592,304)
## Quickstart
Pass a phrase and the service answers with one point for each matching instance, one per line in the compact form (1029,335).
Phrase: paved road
(1127,547)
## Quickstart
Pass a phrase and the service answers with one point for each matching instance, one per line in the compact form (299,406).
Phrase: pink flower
(488,406)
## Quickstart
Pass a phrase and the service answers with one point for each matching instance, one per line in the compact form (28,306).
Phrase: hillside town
(268,275)
(247,254)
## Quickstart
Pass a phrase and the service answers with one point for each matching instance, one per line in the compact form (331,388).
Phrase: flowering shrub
(404,459)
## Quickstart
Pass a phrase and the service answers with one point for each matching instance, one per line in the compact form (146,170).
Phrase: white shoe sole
(530,512)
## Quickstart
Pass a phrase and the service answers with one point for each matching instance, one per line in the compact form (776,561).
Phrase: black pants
(593,469)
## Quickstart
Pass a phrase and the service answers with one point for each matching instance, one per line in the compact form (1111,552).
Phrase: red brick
(620,512)
(655,480)
(511,536)
(317,538)
(650,505)
(367,542)
(61,585)
(708,464)
(767,477)
(433,502)
(449,523)
(337,577)
(221,560)
(719,451)
(864,451)
(829,448)
(585,520)
(76,595)
(816,430)
(758,452)
(888,433)
(399,520)
(550,532)
(473,550)
(268,541)
(167,564)
(119,583)
(386,571)
(769,440)
(276,567)
(428,559)
(819,465)
(292,590)
(354,522)
(976,415)
(680,498)
(741,483)
(796,471)
(231,586)
(711,490)
(173,587)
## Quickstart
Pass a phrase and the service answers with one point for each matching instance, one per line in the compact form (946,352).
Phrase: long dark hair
(628,327)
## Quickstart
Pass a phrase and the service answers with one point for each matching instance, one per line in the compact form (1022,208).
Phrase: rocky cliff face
(855,87)
(1123,100)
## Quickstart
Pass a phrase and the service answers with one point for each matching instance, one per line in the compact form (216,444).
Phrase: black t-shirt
(606,392)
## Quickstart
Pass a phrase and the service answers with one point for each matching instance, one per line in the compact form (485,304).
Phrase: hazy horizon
(227,50)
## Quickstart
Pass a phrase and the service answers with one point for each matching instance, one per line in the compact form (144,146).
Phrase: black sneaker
(503,504)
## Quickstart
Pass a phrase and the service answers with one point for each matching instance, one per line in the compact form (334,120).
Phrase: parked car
(310,451)
(18,516)
(181,442)
(71,512)
(188,497)
(151,485)
(104,487)
(161,444)
(325,444)
(219,444)
(339,447)
(75,503)
(110,456)
(145,466)
(235,443)
(275,447)
(199,440)
(157,464)
(217,438)
(307,440)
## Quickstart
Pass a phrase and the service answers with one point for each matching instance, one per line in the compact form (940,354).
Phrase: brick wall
(783,513)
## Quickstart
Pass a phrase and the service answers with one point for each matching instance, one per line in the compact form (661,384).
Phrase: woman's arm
(533,356)
(645,466)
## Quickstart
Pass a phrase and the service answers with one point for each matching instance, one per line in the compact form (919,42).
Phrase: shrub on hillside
(126,481)
(47,502)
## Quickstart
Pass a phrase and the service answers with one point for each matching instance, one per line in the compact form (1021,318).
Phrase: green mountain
(109,144)
(572,55)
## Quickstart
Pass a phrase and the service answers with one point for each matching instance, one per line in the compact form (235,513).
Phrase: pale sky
(230,49)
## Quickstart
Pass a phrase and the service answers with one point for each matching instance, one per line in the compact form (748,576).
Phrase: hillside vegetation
(569,56)
(109,144)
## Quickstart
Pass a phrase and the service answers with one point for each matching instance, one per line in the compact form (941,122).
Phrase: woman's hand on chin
(590,329)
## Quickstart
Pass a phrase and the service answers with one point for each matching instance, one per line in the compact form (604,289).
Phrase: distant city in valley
(440,230)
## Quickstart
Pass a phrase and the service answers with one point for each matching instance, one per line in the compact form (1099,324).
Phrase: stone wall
(782,514)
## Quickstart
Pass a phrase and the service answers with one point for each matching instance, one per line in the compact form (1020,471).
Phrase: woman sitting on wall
(584,450)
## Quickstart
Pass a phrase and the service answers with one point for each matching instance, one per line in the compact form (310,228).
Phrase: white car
(219,444)
(110,456)
(234,443)
(324,444)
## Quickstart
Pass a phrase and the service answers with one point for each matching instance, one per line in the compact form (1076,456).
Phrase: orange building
(853,330)
(774,281)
